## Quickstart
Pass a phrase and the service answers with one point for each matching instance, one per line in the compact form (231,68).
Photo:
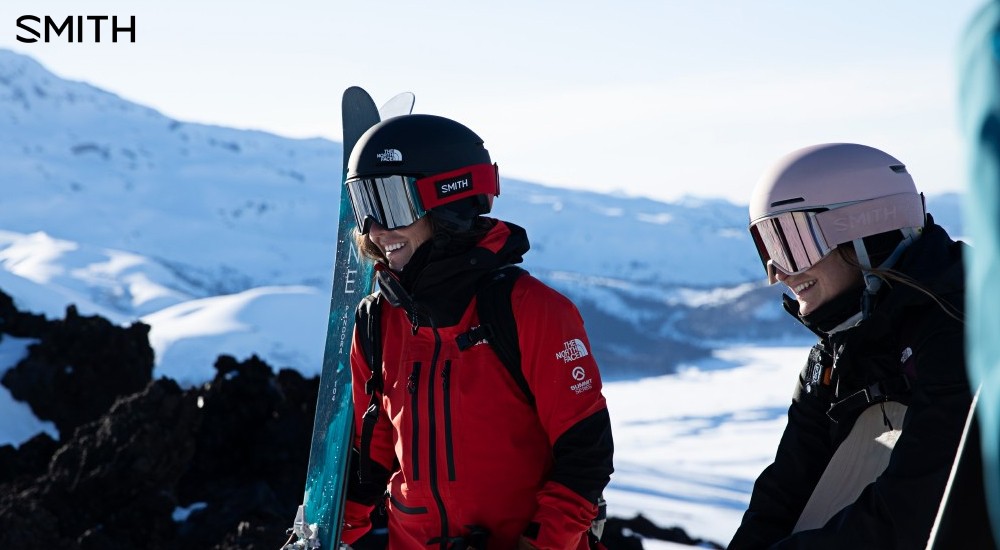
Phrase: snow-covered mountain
(222,240)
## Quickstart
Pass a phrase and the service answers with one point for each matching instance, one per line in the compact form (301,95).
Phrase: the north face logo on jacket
(572,350)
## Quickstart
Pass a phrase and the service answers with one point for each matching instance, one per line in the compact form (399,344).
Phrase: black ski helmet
(409,165)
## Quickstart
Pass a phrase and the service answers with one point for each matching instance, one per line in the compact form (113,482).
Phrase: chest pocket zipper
(446,375)
(412,385)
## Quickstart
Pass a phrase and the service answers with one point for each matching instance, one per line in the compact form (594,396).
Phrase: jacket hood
(935,263)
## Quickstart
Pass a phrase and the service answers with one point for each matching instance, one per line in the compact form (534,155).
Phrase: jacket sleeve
(898,509)
(363,496)
(559,366)
(783,488)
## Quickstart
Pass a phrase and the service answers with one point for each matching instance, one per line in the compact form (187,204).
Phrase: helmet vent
(787,201)
(898,168)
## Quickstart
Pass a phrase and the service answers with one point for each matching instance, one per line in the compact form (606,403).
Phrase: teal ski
(319,518)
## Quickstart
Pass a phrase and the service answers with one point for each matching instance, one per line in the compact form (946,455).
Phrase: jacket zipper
(449,446)
(432,447)
(835,352)
(412,383)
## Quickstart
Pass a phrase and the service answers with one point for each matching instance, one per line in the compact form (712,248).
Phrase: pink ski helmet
(819,197)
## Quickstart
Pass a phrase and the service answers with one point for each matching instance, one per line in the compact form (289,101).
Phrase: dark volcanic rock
(18,323)
(627,534)
(108,485)
(30,460)
(234,452)
(251,458)
(79,367)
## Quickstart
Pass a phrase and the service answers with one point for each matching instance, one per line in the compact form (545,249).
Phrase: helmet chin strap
(872,281)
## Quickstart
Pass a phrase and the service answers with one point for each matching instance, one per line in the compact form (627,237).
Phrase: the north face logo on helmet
(454,186)
(572,350)
(390,155)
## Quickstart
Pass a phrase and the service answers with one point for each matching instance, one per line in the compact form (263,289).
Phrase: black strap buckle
(879,392)
(473,336)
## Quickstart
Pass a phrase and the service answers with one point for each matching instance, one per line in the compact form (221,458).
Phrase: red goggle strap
(468,181)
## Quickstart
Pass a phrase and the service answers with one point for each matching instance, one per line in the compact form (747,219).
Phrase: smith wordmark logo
(453,186)
(75,28)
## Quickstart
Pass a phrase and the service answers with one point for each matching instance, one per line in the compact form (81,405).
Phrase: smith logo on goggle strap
(454,186)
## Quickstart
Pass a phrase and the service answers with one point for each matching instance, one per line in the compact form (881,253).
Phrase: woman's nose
(376,229)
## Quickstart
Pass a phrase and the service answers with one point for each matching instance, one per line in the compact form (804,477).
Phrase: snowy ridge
(130,214)
(118,175)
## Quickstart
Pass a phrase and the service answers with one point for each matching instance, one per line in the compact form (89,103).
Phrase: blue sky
(654,98)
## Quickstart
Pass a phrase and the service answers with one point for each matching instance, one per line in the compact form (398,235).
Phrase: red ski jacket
(463,448)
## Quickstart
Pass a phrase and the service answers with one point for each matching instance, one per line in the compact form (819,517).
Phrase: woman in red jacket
(470,458)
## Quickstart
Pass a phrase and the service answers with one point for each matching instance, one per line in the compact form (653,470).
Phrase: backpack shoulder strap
(368,322)
(498,325)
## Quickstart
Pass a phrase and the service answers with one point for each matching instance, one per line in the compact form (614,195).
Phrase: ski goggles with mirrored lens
(397,201)
(795,241)
(790,241)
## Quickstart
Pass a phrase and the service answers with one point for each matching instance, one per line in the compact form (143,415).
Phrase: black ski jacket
(914,352)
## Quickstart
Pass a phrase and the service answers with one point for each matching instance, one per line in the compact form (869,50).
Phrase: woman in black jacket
(882,402)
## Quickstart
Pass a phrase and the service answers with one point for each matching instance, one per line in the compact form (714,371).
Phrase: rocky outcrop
(104,486)
(144,463)
(79,366)
(218,466)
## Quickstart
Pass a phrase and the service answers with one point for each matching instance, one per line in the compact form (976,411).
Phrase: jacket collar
(439,292)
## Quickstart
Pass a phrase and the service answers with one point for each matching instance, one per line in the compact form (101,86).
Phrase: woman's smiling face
(822,282)
(399,244)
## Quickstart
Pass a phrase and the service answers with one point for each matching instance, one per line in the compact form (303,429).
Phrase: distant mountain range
(222,239)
